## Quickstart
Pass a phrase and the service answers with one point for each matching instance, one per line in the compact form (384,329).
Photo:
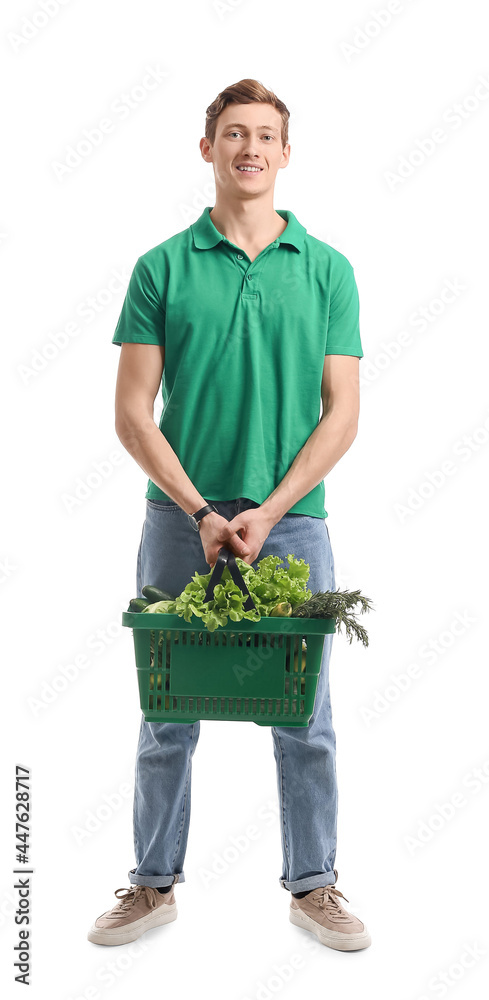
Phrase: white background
(362,94)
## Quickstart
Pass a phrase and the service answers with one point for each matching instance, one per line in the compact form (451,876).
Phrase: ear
(206,149)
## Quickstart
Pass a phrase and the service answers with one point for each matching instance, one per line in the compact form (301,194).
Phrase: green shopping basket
(264,672)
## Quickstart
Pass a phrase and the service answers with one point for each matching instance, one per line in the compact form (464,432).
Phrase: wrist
(272,511)
(197,504)
(209,518)
(198,516)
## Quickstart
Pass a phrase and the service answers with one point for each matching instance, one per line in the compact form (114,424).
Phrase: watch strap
(203,511)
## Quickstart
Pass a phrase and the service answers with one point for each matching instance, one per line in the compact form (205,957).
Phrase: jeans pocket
(162,505)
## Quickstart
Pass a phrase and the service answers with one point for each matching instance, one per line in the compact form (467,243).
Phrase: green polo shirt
(245,343)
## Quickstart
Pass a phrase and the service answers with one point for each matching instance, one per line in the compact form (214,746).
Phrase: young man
(249,324)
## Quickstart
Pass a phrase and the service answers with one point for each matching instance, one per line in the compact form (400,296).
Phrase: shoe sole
(130,932)
(332,939)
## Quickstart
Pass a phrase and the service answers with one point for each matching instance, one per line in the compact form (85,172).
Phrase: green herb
(337,604)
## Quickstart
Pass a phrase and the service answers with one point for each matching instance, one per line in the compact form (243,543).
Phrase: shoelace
(326,899)
(131,895)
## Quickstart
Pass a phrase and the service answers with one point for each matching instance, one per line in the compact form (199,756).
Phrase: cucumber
(137,604)
(154,594)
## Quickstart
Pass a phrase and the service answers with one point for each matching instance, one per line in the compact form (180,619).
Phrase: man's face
(247,134)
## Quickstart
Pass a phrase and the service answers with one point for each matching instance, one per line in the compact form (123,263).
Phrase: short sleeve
(343,335)
(142,317)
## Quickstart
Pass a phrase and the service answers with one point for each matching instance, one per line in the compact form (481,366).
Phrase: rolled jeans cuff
(307,884)
(155,881)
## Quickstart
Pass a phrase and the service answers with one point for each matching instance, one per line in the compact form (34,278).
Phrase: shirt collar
(205,234)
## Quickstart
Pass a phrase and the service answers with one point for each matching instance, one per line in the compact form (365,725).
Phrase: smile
(250,170)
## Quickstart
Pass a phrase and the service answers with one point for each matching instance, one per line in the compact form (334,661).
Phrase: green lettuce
(268,585)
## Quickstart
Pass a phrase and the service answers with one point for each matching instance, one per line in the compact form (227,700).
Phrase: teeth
(251,169)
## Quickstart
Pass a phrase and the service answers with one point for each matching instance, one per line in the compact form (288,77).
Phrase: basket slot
(161,674)
(276,640)
(153,662)
(243,708)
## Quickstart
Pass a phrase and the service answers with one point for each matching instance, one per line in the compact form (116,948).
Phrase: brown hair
(244,92)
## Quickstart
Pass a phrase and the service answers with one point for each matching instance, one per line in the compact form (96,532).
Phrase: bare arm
(330,440)
(333,436)
(138,382)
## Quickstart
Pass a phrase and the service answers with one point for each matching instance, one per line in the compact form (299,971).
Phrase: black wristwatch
(196,518)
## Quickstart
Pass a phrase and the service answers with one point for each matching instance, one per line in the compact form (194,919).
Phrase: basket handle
(226,558)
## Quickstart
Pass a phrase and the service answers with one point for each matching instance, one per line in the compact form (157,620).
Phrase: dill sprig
(337,604)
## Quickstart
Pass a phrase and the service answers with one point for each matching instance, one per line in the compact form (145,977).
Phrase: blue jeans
(169,554)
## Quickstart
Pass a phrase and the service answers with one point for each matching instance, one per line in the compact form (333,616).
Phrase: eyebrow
(240,125)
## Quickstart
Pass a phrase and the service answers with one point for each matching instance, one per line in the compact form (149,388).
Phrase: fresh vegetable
(276,591)
(161,608)
(296,670)
(269,585)
(303,658)
(155,594)
(282,610)
(337,604)
(137,604)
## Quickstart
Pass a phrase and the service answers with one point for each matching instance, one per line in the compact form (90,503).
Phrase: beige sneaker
(138,910)
(322,913)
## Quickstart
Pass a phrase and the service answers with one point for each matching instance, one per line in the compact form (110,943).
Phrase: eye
(239,133)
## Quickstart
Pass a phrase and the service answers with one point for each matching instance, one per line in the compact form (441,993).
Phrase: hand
(214,534)
(255,526)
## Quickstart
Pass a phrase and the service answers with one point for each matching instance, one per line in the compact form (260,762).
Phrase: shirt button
(249,276)
(239,256)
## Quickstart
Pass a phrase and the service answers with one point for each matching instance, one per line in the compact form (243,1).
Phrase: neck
(247,222)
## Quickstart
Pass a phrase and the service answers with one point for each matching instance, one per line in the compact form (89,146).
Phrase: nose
(249,149)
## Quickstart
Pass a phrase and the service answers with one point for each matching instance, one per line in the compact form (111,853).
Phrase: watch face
(193,522)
